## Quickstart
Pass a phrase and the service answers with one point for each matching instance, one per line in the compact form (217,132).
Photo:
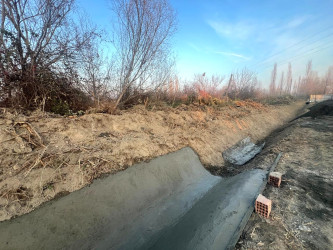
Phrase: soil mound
(320,109)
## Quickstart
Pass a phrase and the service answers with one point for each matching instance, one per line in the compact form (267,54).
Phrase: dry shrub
(249,103)
(107,106)
(278,100)
(46,90)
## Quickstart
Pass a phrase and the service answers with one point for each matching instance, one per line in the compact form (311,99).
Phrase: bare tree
(37,37)
(295,87)
(244,83)
(289,79)
(312,83)
(309,69)
(142,36)
(208,86)
(230,82)
(96,72)
(298,86)
(328,89)
(280,88)
(272,86)
(308,80)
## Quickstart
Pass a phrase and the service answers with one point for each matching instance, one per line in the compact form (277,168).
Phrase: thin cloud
(239,30)
(296,22)
(257,31)
(233,54)
(196,48)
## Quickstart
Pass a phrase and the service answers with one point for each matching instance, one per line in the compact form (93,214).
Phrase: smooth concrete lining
(115,212)
(213,221)
(172,202)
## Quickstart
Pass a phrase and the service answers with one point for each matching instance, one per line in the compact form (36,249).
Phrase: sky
(222,36)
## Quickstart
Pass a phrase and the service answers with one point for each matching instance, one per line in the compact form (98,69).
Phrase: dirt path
(43,157)
(302,212)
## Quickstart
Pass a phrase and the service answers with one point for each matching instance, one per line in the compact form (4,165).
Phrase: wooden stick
(31,130)
(38,159)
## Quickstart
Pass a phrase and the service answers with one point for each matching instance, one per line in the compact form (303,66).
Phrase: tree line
(309,83)
(53,58)
(51,55)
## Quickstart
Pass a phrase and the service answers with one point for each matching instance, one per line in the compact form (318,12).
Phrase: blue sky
(219,37)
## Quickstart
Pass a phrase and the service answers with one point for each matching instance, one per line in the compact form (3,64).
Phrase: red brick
(263,206)
(275,179)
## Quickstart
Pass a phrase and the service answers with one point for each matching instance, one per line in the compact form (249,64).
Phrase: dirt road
(302,210)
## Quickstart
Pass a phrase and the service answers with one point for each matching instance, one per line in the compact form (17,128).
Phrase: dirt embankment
(42,157)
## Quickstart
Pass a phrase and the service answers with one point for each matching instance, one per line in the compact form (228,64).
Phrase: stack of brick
(275,179)
(263,206)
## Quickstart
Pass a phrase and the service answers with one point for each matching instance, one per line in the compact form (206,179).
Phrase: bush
(278,100)
(60,107)
(53,92)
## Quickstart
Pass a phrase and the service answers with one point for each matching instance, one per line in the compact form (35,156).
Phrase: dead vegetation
(52,59)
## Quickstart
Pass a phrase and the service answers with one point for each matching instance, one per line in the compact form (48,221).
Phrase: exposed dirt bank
(42,157)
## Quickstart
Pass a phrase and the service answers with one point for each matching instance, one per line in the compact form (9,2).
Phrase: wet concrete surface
(172,202)
(214,222)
